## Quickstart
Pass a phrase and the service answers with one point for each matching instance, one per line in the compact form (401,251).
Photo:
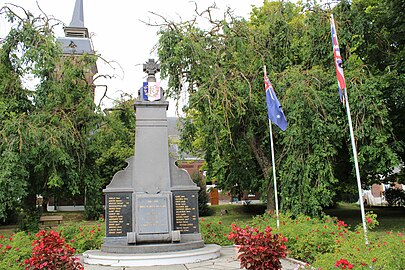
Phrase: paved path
(227,261)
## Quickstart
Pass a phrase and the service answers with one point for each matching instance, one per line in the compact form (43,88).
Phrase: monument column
(152,205)
(152,198)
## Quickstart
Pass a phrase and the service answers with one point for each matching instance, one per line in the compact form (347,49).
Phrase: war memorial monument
(151,205)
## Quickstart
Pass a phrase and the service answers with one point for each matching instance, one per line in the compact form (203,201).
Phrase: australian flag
(338,61)
(274,109)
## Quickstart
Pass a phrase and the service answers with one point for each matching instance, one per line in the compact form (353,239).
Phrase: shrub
(385,251)
(203,199)
(395,197)
(28,219)
(214,232)
(258,250)
(84,237)
(307,236)
(14,250)
(51,252)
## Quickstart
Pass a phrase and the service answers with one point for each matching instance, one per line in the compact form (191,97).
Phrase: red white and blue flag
(338,60)
(274,109)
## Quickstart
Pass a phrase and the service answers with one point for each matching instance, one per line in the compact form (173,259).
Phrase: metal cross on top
(151,67)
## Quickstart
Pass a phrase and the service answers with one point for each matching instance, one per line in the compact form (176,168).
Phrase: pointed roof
(76,40)
(76,27)
(78,16)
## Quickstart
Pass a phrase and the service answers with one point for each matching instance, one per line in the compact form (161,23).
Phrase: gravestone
(152,205)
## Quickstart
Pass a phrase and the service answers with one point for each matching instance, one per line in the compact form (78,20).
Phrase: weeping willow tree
(47,118)
(220,69)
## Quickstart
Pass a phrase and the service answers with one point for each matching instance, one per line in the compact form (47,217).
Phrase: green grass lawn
(235,213)
(390,218)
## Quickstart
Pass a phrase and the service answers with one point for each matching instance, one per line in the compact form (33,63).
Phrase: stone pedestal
(152,205)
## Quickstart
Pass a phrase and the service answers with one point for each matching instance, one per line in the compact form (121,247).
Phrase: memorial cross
(151,67)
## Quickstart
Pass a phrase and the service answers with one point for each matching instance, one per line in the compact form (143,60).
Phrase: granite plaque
(118,214)
(152,216)
(185,208)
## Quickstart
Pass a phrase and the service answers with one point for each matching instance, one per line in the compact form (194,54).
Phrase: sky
(118,33)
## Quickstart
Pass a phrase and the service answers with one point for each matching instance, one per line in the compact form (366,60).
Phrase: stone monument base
(150,248)
(97,257)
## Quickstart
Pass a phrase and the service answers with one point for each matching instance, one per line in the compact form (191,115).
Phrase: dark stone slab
(118,214)
(185,211)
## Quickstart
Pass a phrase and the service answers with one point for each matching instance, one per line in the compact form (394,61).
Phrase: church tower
(76,41)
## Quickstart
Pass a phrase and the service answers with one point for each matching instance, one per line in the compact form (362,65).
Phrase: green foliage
(324,242)
(311,141)
(203,199)
(214,232)
(15,249)
(307,237)
(54,140)
(395,197)
(28,220)
(383,252)
(46,128)
(116,137)
(83,237)
(220,68)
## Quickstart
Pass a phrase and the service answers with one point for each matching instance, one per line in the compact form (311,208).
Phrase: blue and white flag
(151,91)
(274,109)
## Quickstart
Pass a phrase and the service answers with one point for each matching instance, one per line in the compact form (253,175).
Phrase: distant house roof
(173,126)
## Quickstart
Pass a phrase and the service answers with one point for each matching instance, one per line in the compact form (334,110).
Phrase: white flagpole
(356,165)
(274,166)
(274,173)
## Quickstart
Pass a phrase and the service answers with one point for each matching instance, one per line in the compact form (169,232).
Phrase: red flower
(374,259)
(343,264)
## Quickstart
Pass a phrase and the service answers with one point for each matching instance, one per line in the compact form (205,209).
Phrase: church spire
(76,27)
(78,17)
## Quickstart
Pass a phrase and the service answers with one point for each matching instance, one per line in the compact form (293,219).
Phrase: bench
(44,219)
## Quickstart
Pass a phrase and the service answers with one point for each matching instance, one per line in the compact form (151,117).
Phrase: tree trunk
(265,166)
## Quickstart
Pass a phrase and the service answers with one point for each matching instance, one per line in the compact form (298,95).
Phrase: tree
(221,70)
(116,137)
(46,128)
(379,39)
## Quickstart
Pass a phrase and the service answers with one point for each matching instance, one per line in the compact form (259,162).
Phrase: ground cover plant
(22,249)
(327,243)
(331,242)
